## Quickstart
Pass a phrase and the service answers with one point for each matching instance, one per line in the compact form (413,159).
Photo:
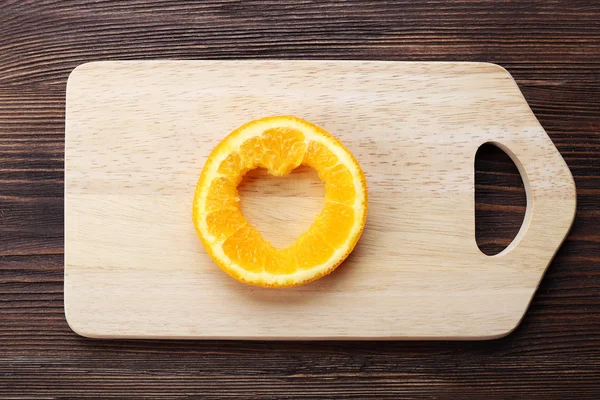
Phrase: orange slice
(279,144)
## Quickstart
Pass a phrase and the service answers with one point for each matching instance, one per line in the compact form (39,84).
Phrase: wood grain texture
(550,47)
(139,132)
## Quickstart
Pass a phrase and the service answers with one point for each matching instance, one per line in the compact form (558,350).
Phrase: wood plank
(552,355)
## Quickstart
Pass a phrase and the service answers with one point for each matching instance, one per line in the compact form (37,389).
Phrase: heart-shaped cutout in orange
(279,144)
(281,208)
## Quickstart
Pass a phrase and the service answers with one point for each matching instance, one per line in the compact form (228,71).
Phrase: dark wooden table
(552,48)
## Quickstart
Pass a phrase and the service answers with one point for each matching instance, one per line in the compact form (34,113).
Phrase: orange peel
(280,144)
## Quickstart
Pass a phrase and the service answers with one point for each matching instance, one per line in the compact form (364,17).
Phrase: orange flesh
(232,241)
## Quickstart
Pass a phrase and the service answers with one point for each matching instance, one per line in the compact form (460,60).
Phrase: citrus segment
(310,250)
(319,157)
(285,263)
(251,152)
(284,150)
(224,222)
(232,166)
(334,223)
(339,185)
(279,144)
(247,247)
(222,193)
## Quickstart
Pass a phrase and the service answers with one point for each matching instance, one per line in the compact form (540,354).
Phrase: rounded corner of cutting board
(75,324)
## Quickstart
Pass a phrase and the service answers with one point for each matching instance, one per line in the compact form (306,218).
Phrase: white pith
(233,144)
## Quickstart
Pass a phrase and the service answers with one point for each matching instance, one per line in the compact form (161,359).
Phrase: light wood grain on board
(137,135)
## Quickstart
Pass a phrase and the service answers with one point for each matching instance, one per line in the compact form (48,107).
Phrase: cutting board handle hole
(500,199)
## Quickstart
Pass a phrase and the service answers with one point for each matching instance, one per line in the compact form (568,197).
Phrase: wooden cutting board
(137,136)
